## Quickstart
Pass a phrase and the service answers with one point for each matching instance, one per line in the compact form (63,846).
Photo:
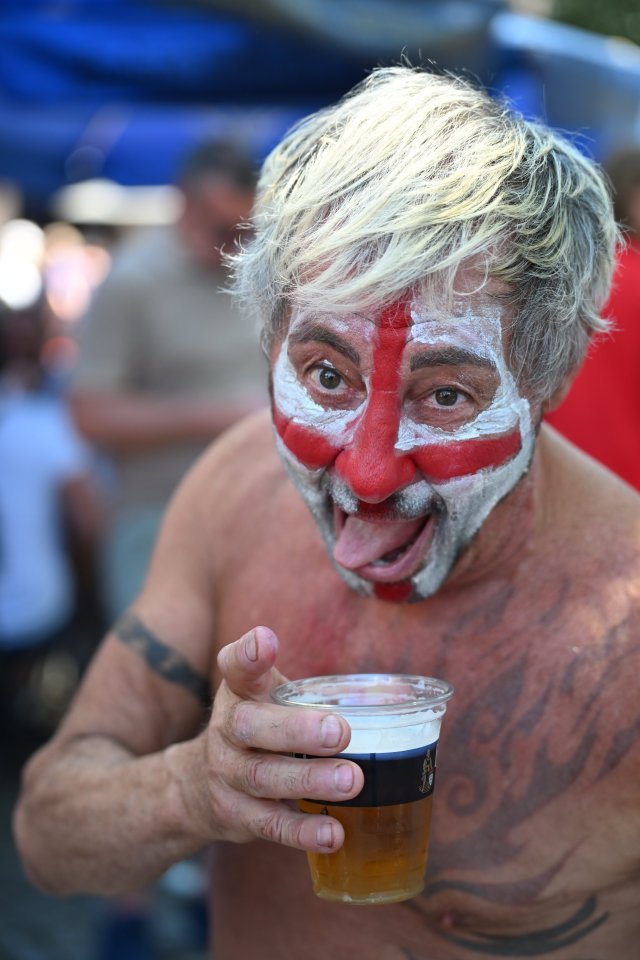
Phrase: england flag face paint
(401,431)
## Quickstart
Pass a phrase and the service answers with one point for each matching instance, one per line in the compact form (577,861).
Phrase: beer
(395,724)
(386,826)
(383,857)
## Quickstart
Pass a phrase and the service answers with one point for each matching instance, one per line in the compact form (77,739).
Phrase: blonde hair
(406,179)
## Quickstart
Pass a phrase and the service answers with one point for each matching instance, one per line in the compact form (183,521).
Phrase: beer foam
(398,733)
(387,713)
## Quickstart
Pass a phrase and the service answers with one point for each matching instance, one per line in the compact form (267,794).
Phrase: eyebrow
(450,356)
(309,331)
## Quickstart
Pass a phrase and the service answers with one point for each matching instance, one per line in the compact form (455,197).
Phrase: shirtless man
(429,270)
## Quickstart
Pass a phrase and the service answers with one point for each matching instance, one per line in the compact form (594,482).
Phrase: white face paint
(402,433)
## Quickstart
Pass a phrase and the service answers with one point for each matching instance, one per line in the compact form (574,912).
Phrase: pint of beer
(395,723)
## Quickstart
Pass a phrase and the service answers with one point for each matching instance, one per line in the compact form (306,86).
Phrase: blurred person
(601,413)
(74,264)
(50,511)
(429,268)
(165,362)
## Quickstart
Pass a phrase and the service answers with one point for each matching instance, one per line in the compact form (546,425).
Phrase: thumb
(247,665)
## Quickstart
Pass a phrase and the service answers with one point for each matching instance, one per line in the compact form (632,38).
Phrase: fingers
(276,822)
(250,742)
(274,777)
(247,665)
(267,726)
(249,674)
(250,798)
(316,834)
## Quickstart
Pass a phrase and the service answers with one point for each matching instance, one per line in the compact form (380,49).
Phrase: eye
(329,378)
(446,396)
(331,386)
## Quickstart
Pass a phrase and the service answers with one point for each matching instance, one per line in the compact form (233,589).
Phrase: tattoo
(513,893)
(523,740)
(165,661)
(535,943)
(540,942)
(510,736)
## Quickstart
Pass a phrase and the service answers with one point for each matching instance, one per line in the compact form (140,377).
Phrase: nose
(370,464)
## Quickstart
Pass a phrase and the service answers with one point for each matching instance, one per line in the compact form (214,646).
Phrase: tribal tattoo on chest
(524,749)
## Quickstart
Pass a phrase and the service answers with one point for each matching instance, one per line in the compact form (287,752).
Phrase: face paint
(369,462)
(398,475)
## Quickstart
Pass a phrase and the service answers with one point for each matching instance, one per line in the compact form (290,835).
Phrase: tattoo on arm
(165,661)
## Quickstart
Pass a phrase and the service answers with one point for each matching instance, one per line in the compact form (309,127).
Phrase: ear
(559,393)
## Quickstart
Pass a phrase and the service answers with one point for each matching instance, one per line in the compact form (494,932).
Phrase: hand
(250,775)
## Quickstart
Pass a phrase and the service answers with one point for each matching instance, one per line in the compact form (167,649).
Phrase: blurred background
(101,101)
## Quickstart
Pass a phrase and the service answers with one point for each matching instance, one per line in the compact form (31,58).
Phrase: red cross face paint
(401,431)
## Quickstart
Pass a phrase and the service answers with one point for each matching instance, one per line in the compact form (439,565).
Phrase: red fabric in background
(601,414)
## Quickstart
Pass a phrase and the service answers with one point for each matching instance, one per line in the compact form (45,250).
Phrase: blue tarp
(122,88)
(92,51)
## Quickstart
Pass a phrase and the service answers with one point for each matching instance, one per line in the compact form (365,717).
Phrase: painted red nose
(370,465)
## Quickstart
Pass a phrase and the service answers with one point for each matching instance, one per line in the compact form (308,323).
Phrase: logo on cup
(428,774)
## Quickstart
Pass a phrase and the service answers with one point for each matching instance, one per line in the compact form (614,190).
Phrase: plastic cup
(395,725)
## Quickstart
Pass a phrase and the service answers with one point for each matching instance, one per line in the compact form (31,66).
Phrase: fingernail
(251,647)
(330,731)
(324,835)
(343,777)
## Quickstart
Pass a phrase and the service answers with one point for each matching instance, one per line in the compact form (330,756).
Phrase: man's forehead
(476,320)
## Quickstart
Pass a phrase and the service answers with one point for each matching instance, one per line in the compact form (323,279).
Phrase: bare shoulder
(150,682)
(244,452)
(592,546)
(238,474)
(590,504)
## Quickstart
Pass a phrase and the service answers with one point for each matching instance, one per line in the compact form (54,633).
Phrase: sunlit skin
(401,430)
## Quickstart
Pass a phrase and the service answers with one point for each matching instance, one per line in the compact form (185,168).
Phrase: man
(429,270)
(166,364)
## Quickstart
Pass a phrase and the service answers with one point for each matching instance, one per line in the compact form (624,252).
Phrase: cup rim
(292,693)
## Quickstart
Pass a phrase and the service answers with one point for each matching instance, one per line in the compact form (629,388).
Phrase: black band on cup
(390,778)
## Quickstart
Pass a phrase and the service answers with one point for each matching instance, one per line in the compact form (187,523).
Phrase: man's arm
(100,809)
(126,421)
(139,774)
(109,402)
(97,817)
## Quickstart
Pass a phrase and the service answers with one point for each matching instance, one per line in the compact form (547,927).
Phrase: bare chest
(272,886)
(536,836)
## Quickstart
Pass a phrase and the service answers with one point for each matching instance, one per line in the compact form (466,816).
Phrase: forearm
(93,818)
(134,422)
(96,817)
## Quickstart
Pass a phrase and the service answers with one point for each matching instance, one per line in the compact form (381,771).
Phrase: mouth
(380,548)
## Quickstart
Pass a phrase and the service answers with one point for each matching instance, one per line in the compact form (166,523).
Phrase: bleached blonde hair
(410,177)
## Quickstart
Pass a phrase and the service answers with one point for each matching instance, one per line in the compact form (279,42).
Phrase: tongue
(361,542)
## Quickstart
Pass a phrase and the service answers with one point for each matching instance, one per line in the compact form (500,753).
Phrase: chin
(403,591)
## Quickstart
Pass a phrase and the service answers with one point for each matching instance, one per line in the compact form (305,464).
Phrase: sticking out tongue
(361,542)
